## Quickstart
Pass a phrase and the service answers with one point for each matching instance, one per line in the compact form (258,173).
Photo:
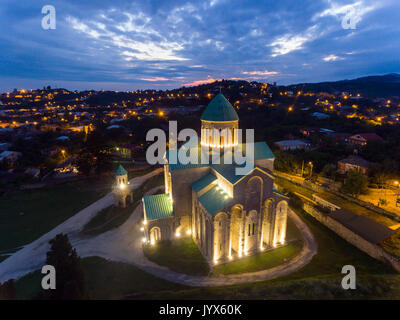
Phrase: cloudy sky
(125,45)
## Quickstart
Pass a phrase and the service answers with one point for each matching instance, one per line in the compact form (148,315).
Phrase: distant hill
(373,86)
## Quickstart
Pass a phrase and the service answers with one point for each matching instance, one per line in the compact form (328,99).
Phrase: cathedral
(228,216)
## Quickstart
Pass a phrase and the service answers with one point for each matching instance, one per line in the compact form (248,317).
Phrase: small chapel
(228,216)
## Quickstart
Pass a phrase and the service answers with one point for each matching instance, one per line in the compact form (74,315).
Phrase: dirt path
(33,255)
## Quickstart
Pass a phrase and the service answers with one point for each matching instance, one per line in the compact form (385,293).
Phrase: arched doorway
(155,235)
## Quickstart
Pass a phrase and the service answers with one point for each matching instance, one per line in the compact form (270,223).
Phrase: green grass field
(43,209)
(179,255)
(105,280)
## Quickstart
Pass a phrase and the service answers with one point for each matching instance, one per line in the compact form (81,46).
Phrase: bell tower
(122,191)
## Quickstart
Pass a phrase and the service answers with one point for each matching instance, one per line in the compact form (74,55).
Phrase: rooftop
(214,200)
(356,160)
(157,206)
(219,109)
(120,171)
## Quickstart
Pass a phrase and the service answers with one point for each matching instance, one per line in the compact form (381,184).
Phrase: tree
(8,290)
(70,281)
(329,171)
(85,163)
(355,183)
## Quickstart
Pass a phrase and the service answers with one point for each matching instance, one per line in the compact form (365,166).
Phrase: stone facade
(255,222)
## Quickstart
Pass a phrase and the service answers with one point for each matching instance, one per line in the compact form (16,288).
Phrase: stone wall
(373,250)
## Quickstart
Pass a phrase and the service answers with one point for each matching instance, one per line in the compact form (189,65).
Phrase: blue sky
(126,45)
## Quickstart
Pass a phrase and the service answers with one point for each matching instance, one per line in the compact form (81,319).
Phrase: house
(4,146)
(293,145)
(10,156)
(320,115)
(362,139)
(34,172)
(339,136)
(355,163)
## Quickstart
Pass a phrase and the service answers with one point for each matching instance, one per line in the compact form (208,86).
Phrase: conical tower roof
(120,171)
(219,109)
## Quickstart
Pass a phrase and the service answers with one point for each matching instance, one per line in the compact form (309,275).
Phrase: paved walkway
(124,244)
(33,255)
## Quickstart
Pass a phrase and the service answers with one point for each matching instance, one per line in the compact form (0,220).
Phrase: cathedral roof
(261,151)
(203,182)
(214,200)
(121,171)
(157,206)
(219,109)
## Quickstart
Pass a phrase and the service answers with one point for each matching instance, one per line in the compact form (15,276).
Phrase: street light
(311,165)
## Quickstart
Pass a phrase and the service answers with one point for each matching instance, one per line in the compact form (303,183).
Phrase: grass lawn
(184,256)
(261,261)
(105,280)
(179,255)
(43,209)
(113,217)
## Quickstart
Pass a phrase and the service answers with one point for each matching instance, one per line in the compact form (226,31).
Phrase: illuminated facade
(228,216)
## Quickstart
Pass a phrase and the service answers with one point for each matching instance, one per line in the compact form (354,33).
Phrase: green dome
(219,109)
(120,171)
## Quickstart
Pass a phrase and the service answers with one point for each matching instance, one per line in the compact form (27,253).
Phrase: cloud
(292,42)
(155,79)
(260,73)
(162,44)
(199,82)
(144,48)
(332,57)
(357,10)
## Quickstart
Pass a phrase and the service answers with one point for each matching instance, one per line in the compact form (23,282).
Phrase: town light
(189,232)
(122,186)
(141,229)
(177,234)
(144,239)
